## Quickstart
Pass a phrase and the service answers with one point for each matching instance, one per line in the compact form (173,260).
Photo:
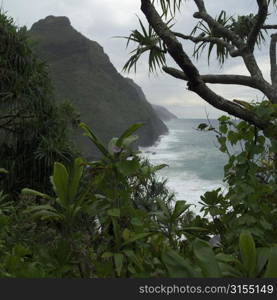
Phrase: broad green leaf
(179,209)
(20,250)
(75,209)
(128,132)
(192,228)
(136,237)
(229,271)
(47,214)
(224,119)
(129,140)
(130,254)
(61,184)
(116,231)
(223,128)
(94,139)
(114,212)
(262,258)
(176,265)
(226,258)
(159,167)
(118,261)
(4,221)
(128,167)
(40,207)
(112,148)
(244,104)
(27,191)
(230,259)
(163,207)
(3,171)
(212,197)
(206,259)
(107,255)
(76,175)
(202,126)
(131,269)
(248,253)
(126,234)
(137,221)
(271,270)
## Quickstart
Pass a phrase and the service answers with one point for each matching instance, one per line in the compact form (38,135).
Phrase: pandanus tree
(250,201)
(32,128)
(229,37)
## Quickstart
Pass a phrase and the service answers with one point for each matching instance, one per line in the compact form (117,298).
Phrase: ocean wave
(195,163)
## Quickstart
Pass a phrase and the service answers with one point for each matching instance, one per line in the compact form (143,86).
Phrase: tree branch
(202,14)
(215,79)
(273,61)
(242,48)
(202,38)
(260,19)
(195,82)
(173,46)
(269,27)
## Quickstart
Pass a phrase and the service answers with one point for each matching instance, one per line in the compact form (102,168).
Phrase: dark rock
(82,73)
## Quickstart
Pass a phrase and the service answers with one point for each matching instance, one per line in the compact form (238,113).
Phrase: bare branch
(269,27)
(215,79)
(273,61)
(202,38)
(195,82)
(259,22)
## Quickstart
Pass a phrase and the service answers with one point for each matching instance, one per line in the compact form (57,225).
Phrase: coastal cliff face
(82,73)
(163,113)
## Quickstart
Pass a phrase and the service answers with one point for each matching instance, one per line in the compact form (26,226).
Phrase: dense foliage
(113,217)
(251,198)
(33,129)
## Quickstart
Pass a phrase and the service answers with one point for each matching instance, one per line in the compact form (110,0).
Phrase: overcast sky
(102,20)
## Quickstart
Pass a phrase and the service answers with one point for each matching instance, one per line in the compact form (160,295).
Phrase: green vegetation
(33,130)
(113,217)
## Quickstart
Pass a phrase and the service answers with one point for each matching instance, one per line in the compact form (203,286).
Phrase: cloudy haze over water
(101,20)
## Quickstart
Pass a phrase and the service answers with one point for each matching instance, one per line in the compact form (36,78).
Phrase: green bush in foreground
(113,217)
(99,223)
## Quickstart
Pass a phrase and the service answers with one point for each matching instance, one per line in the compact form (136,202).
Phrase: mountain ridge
(163,113)
(82,72)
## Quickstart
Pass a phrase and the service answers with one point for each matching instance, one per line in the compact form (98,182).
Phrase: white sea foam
(195,165)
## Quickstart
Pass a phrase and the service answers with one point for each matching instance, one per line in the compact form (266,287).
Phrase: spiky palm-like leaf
(148,41)
(243,25)
(169,6)
(29,118)
(221,51)
(274,2)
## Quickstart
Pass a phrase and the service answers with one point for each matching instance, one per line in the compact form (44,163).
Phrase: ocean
(195,164)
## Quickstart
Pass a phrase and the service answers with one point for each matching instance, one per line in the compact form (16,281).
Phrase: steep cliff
(163,113)
(82,73)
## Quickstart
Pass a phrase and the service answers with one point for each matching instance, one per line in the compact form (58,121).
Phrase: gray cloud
(101,20)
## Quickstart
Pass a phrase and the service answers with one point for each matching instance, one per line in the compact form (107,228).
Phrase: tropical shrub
(32,129)
(115,236)
(250,200)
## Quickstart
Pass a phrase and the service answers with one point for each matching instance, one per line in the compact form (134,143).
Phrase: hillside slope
(83,73)
(163,113)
